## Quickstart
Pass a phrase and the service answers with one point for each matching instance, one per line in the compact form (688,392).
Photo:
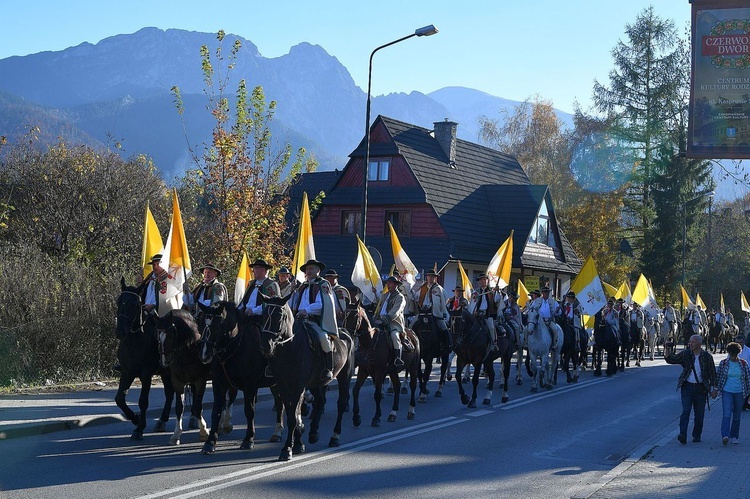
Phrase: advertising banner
(720,84)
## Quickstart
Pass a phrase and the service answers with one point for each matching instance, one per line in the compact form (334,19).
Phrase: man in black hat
(343,298)
(549,310)
(430,298)
(284,279)
(572,312)
(390,313)
(313,301)
(155,283)
(208,292)
(485,302)
(252,302)
(672,317)
(457,302)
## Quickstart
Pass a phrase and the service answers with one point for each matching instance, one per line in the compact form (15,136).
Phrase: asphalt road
(556,443)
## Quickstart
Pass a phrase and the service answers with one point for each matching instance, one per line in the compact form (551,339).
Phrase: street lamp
(426,31)
(700,195)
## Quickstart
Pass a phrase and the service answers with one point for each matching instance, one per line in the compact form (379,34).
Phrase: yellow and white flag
(743,303)
(178,262)
(304,250)
(366,275)
(610,291)
(523,294)
(403,263)
(465,282)
(244,276)
(699,301)
(687,303)
(152,243)
(624,292)
(498,271)
(588,288)
(643,295)
(721,307)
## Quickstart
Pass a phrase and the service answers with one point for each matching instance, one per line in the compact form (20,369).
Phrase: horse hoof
(404,391)
(298,449)
(504,400)
(193,423)
(286,455)
(226,430)
(486,402)
(438,394)
(135,419)
(275,438)
(391,418)
(160,426)
(410,416)
(449,377)
(465,379)
(422,399)
(519,382)
(314,437)
(247,445)
(334,442)
(465,399)
(375,422)
(203,437)
(174,441)
(208,448)
(534,390)
(357,420)
(473,404)
(389,391)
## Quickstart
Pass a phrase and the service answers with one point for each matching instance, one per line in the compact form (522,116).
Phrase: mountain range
(118,90)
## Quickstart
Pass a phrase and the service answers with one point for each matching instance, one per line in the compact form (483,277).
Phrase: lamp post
(700,195)
(425,31)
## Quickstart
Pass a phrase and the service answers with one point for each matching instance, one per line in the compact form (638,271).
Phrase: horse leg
(443,369)
(200,392)
(378,394)
(249,441)
(220,395)
(161,423)
(490,370)
(424,377)
(319,402)
(474,383)
(179,411)
(225,423)
(278,406)
(361,378)
(293,423)
(122,390)
(342,404)
(460,381)
(396,382)
(143,407)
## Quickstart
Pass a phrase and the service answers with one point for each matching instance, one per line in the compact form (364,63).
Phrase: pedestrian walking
(734,385)
(697,380)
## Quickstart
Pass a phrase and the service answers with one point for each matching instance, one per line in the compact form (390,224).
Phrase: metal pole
(684,230)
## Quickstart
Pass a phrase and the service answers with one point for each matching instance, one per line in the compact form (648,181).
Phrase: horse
(539,339)
(178,337)
(637,343)
(570,352)
(292,350)
(432,346)
(606,339)
(654,326)
(716,337)
(473,347)
(139,358)
(230,345)
(374,357)
(623,359)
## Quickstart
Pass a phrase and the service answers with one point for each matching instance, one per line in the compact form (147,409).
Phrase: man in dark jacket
(697,380)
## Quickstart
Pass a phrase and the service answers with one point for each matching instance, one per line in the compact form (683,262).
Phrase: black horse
(230,344)
(474,347)
(374,357)
(637,343)
(623,359)
(138,354)
(293,350)
(433,345)
(178,337)
(570,352)
(605,340)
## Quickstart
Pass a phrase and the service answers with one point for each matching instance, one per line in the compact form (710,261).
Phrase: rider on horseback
(572,312)
(285,282)
(549,310)
(430,298)
(390,310)
(343,298)
(208,292)
(486,302)
(251,305)
(672,317)
(314,302)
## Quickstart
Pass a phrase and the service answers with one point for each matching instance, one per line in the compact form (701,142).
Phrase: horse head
(176,331)
(217,322)
(533,320)
(277,320)
(129,311)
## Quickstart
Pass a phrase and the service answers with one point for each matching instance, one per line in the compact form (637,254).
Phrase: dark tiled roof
(312,183)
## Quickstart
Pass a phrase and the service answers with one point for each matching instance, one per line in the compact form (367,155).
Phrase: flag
(404,265)
(498,271)
(366,275)
(699,301)
(244,276)
(523,294)
(721,307)
(643,295)
(743,303)
(687,303)
(465,282)
(588,288)
(178,262)
(611,291)
(624,292)
(152,243)
(304,250)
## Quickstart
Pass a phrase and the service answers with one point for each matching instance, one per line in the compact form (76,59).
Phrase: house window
(542,232)
(351,222)
(378,170)
(401,221)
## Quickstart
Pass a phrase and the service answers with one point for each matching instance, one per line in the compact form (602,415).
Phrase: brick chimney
(445,134)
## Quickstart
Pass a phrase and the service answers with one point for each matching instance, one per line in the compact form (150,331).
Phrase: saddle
(406,341)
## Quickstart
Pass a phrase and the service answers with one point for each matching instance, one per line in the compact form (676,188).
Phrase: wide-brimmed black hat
(391,278)
(545,289)
(318,264)
(570,294)
(481,276)
(458,288)
(156,258)
(283,270)
(212,267)
(261,263)
(331,273)
(536,292)
(430,272)
(512,294)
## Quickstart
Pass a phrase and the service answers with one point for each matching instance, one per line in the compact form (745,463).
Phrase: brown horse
(374,358)
(432,346)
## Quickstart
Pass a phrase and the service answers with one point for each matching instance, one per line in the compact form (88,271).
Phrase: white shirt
(314,308)
(696,362)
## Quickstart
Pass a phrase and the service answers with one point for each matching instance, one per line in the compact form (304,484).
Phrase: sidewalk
(671,469)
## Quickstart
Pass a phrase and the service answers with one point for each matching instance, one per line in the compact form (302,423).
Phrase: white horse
(539,341)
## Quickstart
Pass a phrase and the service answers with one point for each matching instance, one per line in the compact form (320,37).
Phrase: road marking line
(480,412)
(536,398)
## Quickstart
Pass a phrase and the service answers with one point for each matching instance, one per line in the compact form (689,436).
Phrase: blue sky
(507,48)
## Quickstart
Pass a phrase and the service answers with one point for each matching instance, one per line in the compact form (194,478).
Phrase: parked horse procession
(317,333)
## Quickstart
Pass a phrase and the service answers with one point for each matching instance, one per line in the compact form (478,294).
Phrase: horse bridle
(139,328)
(266,329)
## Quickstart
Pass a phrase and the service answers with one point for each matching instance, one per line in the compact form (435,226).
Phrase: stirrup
(268,373)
